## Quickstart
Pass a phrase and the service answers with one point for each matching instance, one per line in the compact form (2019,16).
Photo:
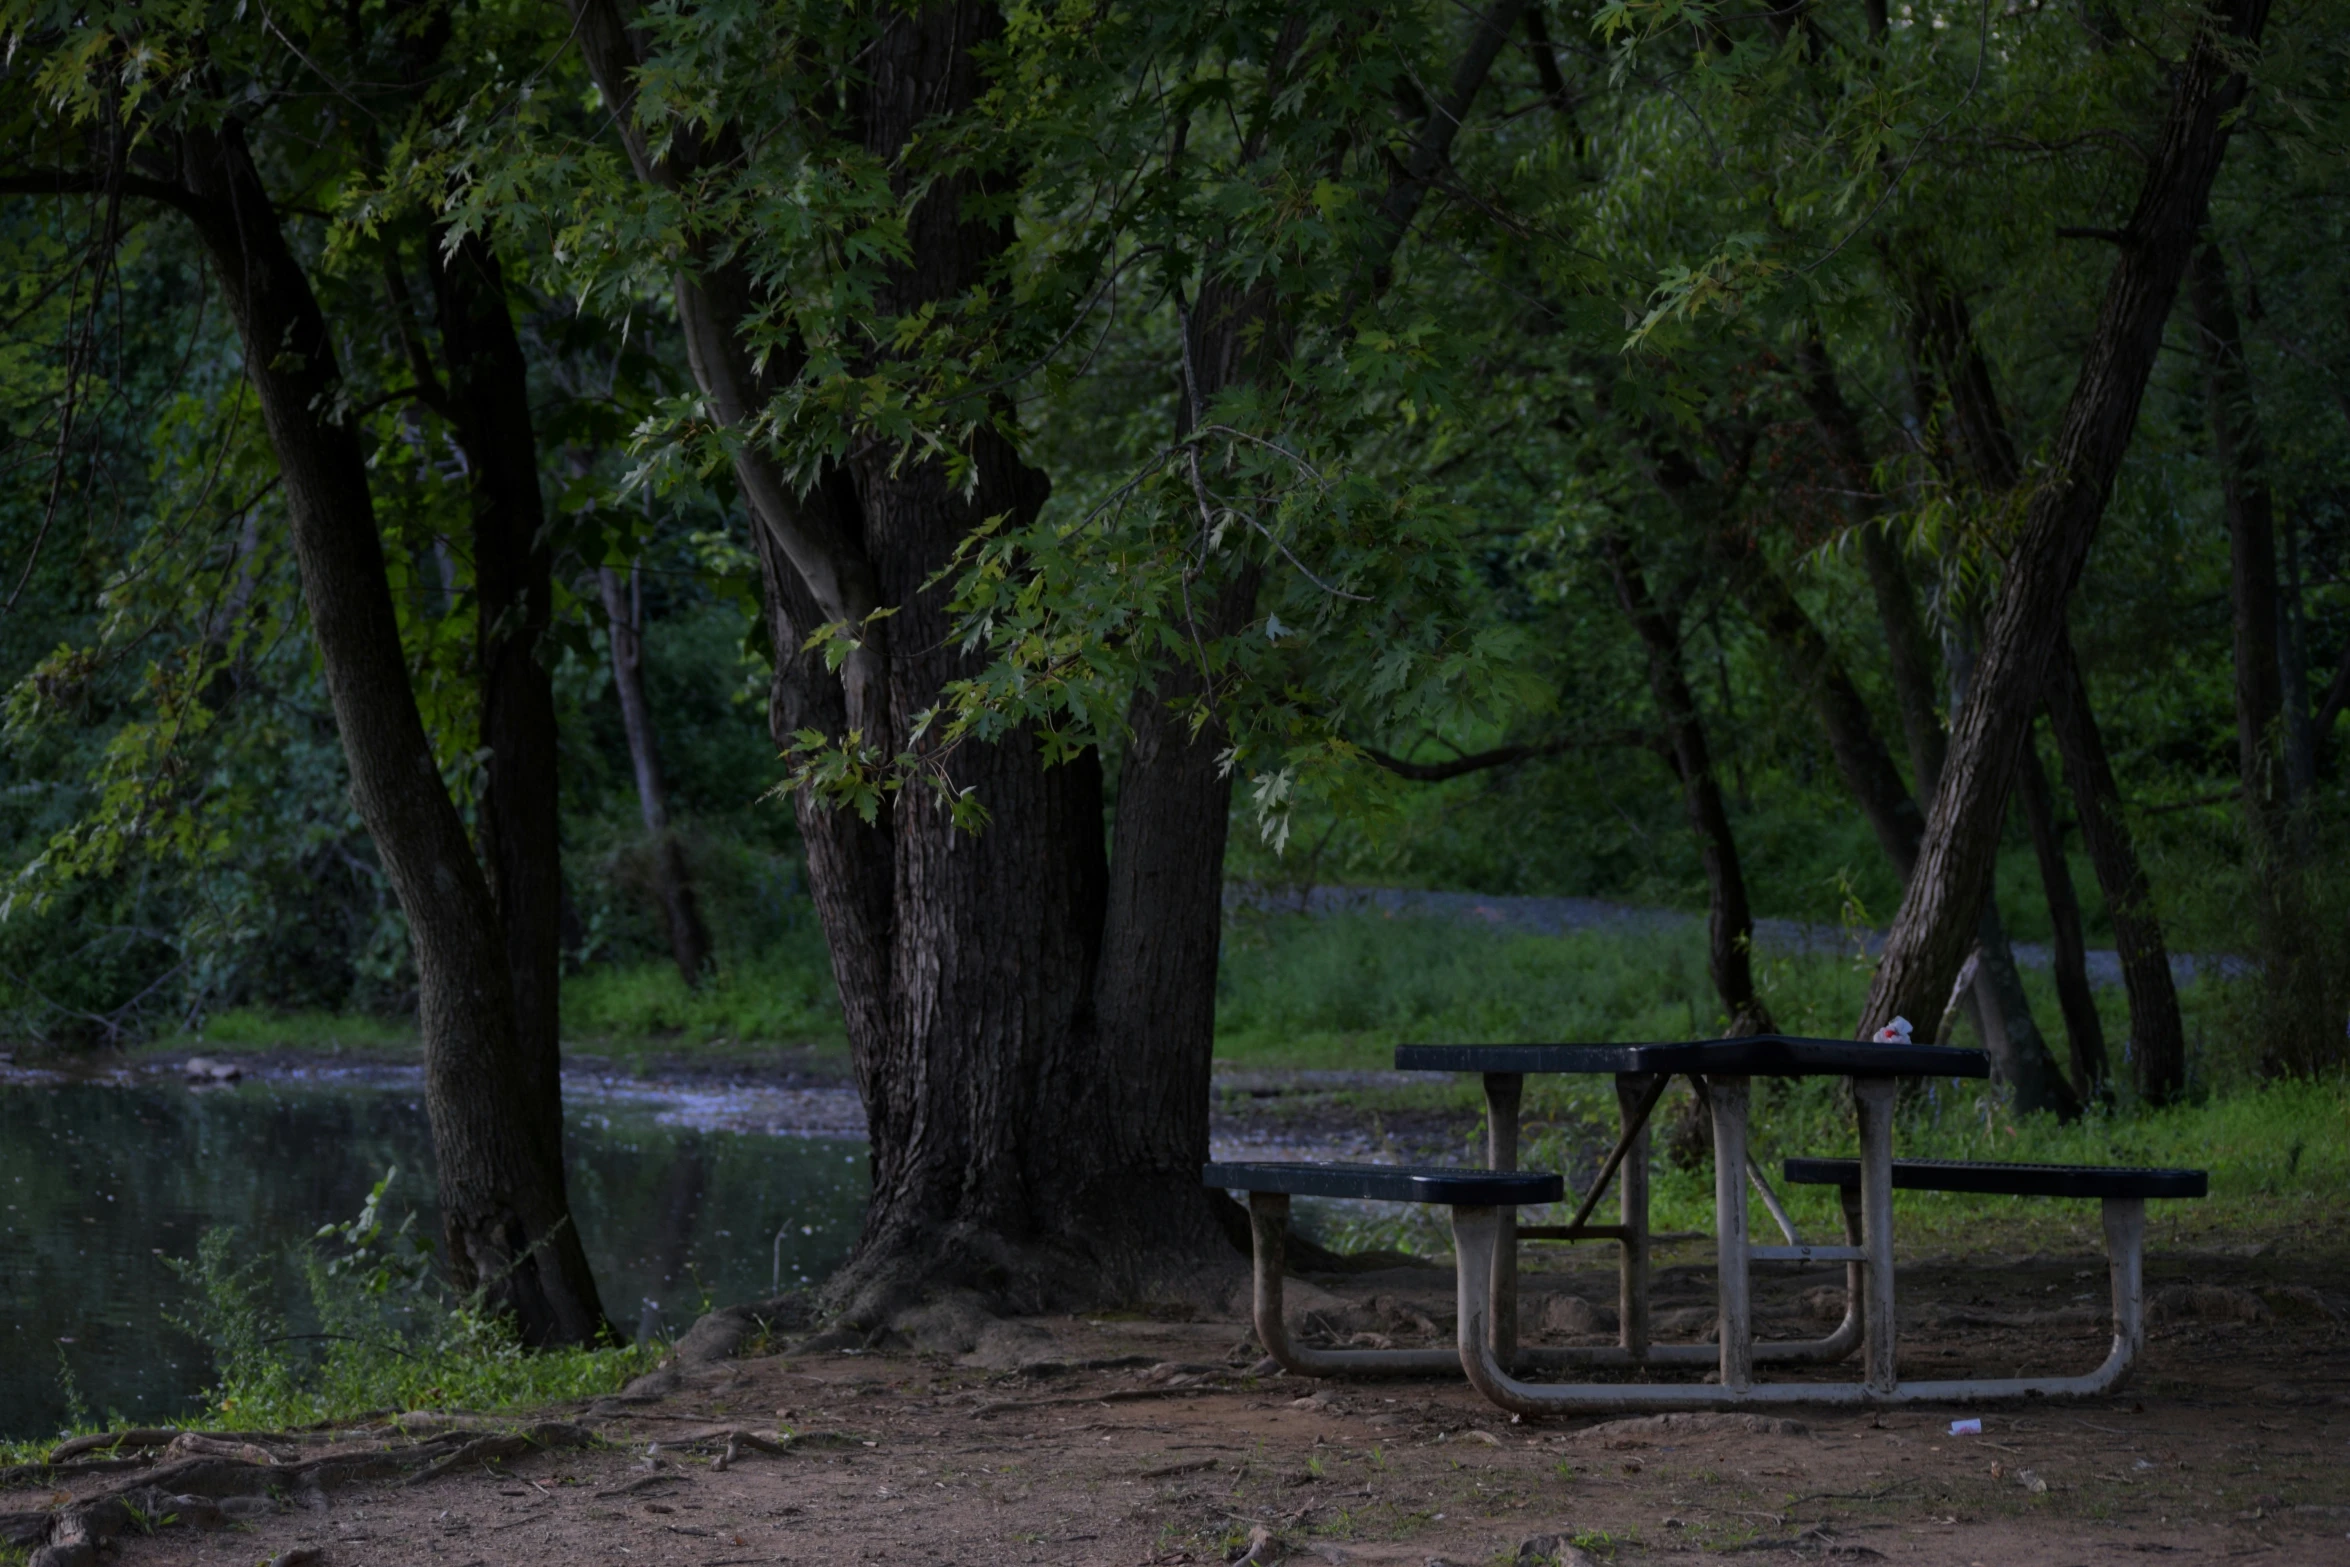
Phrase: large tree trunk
(1931,934)
(2292,992)
(497,1130)
(1155,993)
(488,392)
(681,915)
(1033,1048)
(1996,1002)
(2158,1045)
(2083,1029)
(1729,918)
(1943,337)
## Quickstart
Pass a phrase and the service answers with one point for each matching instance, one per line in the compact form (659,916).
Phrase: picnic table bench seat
(1387,1182)
(1271,1183)
(2009,1180)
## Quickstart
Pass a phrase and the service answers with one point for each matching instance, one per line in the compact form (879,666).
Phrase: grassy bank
(1343,990)
(638,1016)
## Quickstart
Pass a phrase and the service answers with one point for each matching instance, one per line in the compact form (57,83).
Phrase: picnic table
(1486,1232)
(1722,1071)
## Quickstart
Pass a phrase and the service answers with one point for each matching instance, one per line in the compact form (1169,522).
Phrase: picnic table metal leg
(1856,1274)
(2125,1264)
(1873,1098)
(1505,1094)
(1736,1323)
(1632,1194)
(1268,1214)
(2125,1252)
(1475,1231)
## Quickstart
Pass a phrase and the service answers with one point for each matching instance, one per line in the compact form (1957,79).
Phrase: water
(99,1181)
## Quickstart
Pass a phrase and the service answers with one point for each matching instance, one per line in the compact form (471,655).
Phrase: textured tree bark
(1943,336)
(2158,1044)
(499,1153)
(1995,1002)
(1930,935)
(1909,651)
(488,392)
(1729,918)
(681,915)
(1032,1044)
(2001,1010)
(2084,1031)
(1909,657)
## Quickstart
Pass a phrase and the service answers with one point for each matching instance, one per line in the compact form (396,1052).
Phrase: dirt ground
(1137,1440)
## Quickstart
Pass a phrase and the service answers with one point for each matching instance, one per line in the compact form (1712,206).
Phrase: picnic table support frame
(1268,1215)
(1505,1096)
(1637,1095)
(1474,1233)
(1873,1103)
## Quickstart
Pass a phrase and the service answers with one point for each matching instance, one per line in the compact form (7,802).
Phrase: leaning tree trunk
(497,1138)
(681,914)
(1945,338)
(2084,1030)
(1931,933)
(1995,1002)
(2291,987)
(2158,1044)
(1729,918)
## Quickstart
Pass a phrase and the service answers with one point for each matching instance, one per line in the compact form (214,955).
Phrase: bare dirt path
(1131,1441)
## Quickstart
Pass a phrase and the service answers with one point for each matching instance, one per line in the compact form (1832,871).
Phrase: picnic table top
(1758,1055)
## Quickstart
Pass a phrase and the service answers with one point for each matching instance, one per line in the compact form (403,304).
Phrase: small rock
(2205,1303)
(1572,1314)
(1552,1550)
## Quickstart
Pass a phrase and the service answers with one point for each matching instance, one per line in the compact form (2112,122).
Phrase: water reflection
(100,1181)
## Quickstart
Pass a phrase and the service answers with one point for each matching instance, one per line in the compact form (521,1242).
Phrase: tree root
(201,1470)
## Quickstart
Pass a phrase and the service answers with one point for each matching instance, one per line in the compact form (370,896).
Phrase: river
(679,1192)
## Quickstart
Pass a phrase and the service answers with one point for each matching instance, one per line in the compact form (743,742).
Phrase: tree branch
(1507,755)
(73,182)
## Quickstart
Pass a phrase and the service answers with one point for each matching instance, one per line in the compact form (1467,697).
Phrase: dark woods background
(1709,321)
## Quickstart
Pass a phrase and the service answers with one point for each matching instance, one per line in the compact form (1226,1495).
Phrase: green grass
(2278,1155)
(637,1013)
(1343,991)
(784,996)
